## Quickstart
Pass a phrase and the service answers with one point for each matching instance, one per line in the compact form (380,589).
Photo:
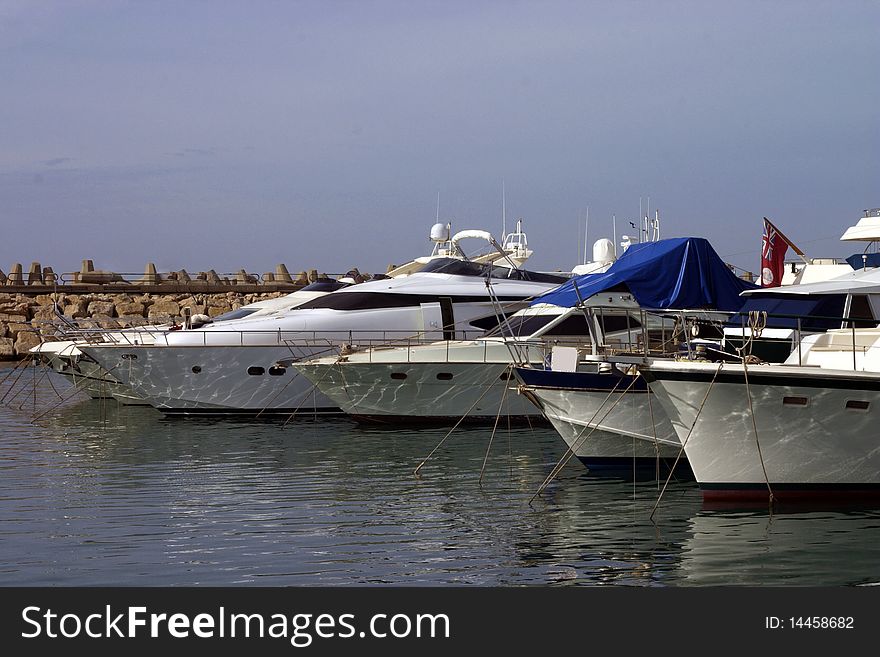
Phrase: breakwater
(34,303)
(26,320)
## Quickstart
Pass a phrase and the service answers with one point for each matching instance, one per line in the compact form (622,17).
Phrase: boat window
(575,325)
(277,371)
(324,285)
(857,404)
(444,376)
(399,376)
(236,314)
(817,312)
(256,371)
(467,268)
(373,300)
(795,401)
(860,311)
(196,369)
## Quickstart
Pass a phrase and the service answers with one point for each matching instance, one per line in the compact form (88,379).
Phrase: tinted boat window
(324,285)
(574,325)
(372,300)
(236,314)
(466,268)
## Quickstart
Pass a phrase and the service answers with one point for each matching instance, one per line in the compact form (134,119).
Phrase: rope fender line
(755,426)
(685,441)
(580,438)
(451,431)
(507,371)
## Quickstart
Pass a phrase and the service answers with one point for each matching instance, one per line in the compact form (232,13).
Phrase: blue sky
(230,134)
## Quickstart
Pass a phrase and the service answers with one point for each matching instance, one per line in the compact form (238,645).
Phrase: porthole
(444,376)
(276,370)
(795,401)
(857,404)
(505,376)
(196,369)
(398,376)
(256,371)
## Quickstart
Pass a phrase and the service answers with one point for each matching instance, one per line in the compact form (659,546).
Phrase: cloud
(185,152)
(55,161)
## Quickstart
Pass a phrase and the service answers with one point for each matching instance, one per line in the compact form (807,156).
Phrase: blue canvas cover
(679,273)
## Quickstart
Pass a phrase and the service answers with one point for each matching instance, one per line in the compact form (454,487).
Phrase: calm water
(99,494)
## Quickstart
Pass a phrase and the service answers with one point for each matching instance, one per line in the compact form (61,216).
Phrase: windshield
(235,314)
(467,268)
(324,285)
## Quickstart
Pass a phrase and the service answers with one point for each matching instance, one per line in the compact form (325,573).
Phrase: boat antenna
(438,208)
(579,235)
(586,234)
(614,231)
(503,213)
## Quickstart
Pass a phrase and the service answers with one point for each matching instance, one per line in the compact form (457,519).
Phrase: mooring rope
(451,431)
(11,372)
(75,390)
(685,441)
(755,426)
(580,438)
(497,418)
(310,391)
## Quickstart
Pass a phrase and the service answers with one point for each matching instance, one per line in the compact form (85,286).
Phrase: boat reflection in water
(810,548)
(112,495)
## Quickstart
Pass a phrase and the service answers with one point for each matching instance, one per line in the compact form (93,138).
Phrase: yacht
(604,410)
(217,370)
(450,380)
(796,431)
(764,328)
(802,429)
(65,356)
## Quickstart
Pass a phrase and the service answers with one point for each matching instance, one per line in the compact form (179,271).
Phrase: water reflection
(104,494)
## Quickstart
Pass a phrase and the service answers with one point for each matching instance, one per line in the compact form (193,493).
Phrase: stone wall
(27,319)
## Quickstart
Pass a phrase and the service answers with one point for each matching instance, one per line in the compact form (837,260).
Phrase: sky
(228,135)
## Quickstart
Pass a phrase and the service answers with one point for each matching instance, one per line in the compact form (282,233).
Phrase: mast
(503,213)
(586,234)
(614,230)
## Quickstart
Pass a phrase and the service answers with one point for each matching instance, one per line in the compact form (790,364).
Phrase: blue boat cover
(679,273)
(860,260)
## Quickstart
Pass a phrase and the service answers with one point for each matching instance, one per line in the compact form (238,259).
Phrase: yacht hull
(437,383)
(214,380)
(816,430)
(608,420)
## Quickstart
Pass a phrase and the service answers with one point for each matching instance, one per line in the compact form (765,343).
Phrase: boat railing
(486,350)
(676,333)
(850,327)
(160,336)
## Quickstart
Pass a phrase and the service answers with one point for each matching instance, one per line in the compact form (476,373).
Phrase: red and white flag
(773,247)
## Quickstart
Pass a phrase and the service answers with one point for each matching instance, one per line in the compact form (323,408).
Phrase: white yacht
(217,370)
(605,413)
(764,326)
(800,431)
(449,380)
(65,357)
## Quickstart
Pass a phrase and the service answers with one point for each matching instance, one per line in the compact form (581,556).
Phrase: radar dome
(603,251)
(439,233)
